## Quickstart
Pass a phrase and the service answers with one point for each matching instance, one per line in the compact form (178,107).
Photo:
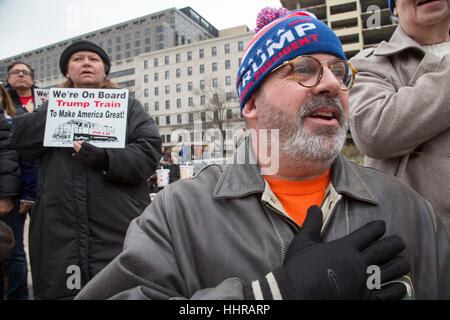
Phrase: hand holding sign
(90,155)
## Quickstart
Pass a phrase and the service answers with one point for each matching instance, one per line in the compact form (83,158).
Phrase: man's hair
(24,63)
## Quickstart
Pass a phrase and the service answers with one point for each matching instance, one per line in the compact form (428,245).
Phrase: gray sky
(30,24)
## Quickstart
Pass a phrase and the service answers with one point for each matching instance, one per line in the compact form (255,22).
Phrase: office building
(358,24)
(156,31)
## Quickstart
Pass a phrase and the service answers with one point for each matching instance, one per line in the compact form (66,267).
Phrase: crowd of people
(309,229)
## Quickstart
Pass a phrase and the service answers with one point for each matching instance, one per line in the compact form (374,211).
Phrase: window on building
(228,80)
(214,51)
(214,66)
(177,58)
(166,59)
(179,119)
(145,78)
(157,121)
(191,117)
(178,103)
(156,76)
(214,82)
(167,89)
(145,92)
(202,84)
(227,64)
(202,68)
(229,114)
(240,46)
(146,64)
(156,91)
(226,48)
(168,122)
(155,62)
(190,101)
(190,86)
(189,71)
(189,55)
(201,53)
(167,74)
(156,105)
(178,72)
(202,100)
(203,116)
(167,104)
(178,87)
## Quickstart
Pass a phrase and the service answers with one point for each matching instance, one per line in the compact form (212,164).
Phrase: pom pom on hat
(267,15)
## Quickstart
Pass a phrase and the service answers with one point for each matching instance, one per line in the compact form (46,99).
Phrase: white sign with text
(40,96)
(95,115)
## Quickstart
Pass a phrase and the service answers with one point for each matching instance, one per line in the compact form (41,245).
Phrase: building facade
(358,24)
(164,29)
(190,90)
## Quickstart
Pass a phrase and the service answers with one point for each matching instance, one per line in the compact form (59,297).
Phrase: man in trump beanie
(281,36)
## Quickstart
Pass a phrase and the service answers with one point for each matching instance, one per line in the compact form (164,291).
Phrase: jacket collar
(399,41)
(241,177)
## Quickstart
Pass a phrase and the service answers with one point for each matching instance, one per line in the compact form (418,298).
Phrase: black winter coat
(81,215)
(9,162)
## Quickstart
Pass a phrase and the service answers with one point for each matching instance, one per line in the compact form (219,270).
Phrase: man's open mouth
(422,2)
(325,113)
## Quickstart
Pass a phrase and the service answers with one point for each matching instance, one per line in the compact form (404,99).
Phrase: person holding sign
(87,194)
(250,230)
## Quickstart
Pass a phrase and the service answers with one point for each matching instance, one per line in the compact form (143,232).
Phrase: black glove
(338,269)
(92,156)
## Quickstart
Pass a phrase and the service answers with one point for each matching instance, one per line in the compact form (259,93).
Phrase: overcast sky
(30,24)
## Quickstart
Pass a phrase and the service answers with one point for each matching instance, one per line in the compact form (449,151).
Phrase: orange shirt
(297,196)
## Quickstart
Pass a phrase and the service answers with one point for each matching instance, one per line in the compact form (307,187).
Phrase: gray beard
(320,145)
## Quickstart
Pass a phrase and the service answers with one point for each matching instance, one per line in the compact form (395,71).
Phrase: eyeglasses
(308,71)
(18,71)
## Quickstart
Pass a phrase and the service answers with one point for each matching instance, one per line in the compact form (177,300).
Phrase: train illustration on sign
(76,129)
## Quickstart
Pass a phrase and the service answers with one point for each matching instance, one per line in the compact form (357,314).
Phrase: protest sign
(40,96)
(95,115)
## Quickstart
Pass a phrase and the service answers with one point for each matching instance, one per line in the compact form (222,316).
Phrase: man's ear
(249,110)
(395,11)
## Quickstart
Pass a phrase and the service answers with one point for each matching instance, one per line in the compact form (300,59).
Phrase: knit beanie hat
(82,45)
(281,36)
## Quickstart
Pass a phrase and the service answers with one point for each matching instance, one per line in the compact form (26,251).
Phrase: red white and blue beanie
(281,36)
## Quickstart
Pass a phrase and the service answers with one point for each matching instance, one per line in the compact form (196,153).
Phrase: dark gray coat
(9,161)
(203,238)
(81,214)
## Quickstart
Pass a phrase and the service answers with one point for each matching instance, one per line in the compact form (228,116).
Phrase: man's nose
(329,85)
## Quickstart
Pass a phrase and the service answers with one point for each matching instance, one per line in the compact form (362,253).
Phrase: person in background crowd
(250,230)
(87,195)
(15,265)
(9,182)
(400,103)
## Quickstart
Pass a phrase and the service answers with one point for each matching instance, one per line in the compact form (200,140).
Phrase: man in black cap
(88,197)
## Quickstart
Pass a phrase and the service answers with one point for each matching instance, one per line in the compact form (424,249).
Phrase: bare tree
(214,104)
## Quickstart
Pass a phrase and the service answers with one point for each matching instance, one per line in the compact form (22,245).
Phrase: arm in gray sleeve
(390,118)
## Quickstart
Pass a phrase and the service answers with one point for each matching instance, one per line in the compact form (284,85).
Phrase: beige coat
(400,116)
